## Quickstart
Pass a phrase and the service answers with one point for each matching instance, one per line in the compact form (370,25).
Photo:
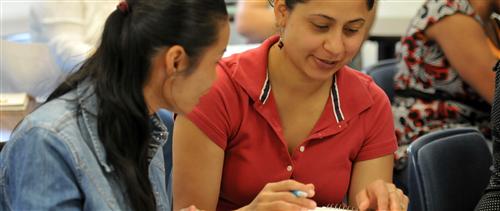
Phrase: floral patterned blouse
(430,95)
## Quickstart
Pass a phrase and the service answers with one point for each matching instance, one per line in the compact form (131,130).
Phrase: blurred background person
(255,20)
(62,34)
(444,78)
(71,29)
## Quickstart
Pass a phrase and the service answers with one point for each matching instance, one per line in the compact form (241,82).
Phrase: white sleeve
(62,26)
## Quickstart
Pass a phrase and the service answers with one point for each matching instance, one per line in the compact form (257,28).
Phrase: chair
(2,144)
(383,73)
(449,169)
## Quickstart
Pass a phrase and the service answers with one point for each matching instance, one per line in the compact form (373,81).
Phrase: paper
(13,101)
(335,208)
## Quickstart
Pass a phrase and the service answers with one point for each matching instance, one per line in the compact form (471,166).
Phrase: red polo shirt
(239,114)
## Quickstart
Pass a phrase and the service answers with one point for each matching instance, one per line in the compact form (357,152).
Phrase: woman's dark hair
(119,69)
(291,3)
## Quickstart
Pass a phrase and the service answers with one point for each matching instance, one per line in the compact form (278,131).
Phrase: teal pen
(298,193)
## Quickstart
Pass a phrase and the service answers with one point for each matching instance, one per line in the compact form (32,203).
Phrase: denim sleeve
(38,173)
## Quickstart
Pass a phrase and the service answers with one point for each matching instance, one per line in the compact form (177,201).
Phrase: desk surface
(9,119)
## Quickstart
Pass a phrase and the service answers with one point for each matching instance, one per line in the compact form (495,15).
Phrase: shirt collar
(88,101)
(86,96)
(349,92)
(249,70)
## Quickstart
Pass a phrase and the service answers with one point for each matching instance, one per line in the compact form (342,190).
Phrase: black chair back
(383,74)
(2,144)
(449,170)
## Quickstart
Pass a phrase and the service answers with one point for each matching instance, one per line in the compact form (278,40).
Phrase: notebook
(334,208)
(13,101)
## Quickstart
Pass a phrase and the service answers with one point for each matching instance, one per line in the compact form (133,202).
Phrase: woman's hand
(277,196)
(381,195)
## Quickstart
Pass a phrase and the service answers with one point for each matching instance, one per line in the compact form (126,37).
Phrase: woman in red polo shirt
(290,115)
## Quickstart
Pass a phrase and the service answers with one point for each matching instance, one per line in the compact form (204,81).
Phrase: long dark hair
(291,3)
(119,69)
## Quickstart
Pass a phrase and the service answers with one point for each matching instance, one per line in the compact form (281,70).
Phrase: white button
(302,148)
(289,168)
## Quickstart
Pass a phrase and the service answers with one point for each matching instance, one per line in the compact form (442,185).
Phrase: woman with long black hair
(96,143)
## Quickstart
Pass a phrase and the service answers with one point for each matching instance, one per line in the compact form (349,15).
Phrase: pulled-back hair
(290,4)
(120,67)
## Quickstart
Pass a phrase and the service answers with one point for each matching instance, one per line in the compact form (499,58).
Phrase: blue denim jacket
(55,161)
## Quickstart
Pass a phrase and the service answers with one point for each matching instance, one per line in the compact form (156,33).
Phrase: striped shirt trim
(266,90)
(337,110)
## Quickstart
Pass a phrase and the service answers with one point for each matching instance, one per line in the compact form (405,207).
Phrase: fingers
(395,200)
(381,191)
(382,196)
(288,197)
(398,200)
(278,196)
(363,200)
(288,185)
(405,201)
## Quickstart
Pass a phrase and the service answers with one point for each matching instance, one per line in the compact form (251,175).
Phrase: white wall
(397,8)
(393,16)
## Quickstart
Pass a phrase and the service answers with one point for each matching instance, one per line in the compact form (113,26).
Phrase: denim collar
(87,97)
(88,101)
